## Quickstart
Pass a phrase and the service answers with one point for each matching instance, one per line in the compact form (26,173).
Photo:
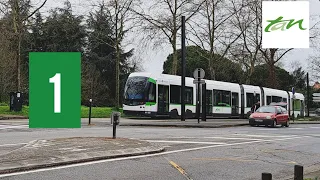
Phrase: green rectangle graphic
(55,89)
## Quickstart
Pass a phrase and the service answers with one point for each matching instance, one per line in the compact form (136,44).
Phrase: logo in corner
(280,24)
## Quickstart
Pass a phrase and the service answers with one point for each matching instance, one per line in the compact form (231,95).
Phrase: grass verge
(96,112)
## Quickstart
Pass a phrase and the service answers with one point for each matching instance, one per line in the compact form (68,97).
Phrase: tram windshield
(135,88)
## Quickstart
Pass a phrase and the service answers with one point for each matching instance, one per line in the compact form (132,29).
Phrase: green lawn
(96,112)
(4,110)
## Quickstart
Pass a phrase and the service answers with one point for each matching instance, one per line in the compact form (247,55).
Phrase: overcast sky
(153,59)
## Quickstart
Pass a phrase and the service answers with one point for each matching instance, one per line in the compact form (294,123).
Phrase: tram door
(235,104)
(209,102)
(163,99)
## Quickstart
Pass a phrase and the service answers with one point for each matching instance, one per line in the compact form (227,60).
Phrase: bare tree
(7,66)
(20,15)
(315,67)
(161,21)
(211,29)
(246,50)
(120,17)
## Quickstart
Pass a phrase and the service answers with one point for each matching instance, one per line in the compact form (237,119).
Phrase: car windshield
(266,109)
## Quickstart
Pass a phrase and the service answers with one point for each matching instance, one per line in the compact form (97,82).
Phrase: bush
(4,104)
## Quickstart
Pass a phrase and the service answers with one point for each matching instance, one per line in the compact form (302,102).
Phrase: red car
(270,115)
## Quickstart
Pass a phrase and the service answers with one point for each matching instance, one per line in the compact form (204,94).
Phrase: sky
(152,59)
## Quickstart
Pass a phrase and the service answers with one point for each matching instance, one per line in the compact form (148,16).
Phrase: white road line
(216,137)
(296,128)
(149,155)
(315,127)
(1,145)
(184,142)
(269,129)
(258,135)
(232,138)
(13,127)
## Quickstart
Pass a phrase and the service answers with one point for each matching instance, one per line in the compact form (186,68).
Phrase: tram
(153,95)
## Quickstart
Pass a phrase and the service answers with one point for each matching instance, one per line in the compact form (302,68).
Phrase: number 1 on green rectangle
(56,80)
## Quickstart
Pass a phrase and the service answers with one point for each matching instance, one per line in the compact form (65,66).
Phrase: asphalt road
(191,153)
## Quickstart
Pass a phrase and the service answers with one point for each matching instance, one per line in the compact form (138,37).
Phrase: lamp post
(90,111)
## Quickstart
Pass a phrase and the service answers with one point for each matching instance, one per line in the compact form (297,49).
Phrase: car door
(279,115)
(285,114)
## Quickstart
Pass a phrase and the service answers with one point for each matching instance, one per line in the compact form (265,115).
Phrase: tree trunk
(211,68)
(249,78)
(117,78)
(175,58)
(18,63)
(272,79)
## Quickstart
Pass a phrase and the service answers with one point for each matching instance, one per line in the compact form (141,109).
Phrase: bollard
(266,176)
(298,172)
(90,112)
(114,129)
(115,119)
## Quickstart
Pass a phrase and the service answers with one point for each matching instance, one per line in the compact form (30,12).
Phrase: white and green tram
(148,94)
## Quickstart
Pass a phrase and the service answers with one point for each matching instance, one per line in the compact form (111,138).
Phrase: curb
(186,126)
(33,167)
(15,117)
(306,122)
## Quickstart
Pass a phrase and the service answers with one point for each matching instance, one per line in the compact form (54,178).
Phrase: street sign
(198,73)
(195,81)
(316,98)
(293,90)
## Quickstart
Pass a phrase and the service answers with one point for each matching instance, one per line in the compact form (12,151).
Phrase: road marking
(296,128)
(1,145)
(292,162)
(315,127)
(13,127)
(182,171)
(268,129)
(148,155)
(217,137)
(184,142)
(225,159)
(250,135)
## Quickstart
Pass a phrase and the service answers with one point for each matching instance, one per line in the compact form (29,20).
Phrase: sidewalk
(188,123)
(7,116)
(56,152)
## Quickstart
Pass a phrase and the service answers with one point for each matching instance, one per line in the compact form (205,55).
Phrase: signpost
(183,67)
(198,75)
(293,98)
(316,97)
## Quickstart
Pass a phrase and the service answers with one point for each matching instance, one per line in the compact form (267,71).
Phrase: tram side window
(175,94)
(221,98)
(251,100)
(284,99)
(276,99)
(189,95)
(152,93)
(226,98)
(268,100)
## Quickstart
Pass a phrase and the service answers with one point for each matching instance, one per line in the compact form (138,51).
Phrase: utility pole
(308,96)
(183,66)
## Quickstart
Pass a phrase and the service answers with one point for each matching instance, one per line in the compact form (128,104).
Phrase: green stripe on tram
(152,81)
(150,103)
(180,104)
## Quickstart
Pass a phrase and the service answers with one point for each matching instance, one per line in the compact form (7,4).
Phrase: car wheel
(287,123)
(274,123)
